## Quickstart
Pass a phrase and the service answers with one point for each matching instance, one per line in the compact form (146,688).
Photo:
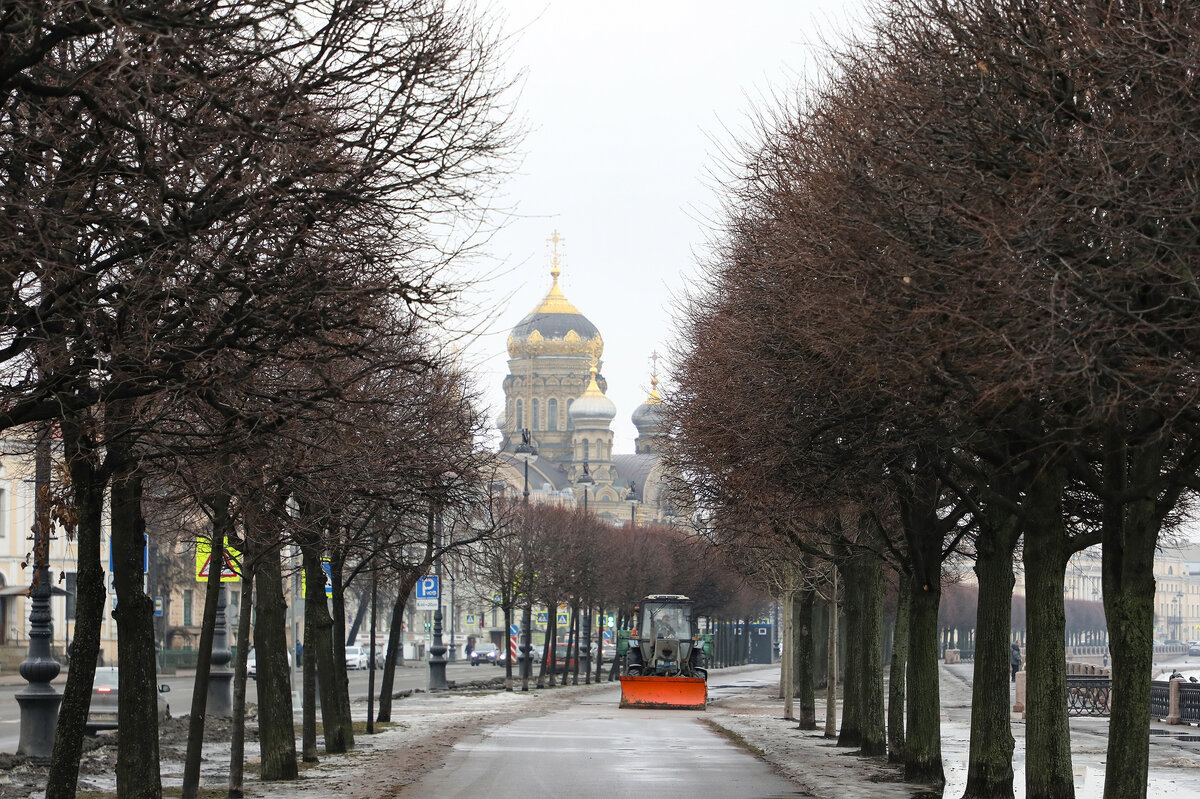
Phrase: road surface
(594,749)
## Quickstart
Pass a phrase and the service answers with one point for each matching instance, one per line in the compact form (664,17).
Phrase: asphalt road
(180,696)
(593,749)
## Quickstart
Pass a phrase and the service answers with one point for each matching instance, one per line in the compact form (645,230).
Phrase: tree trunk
(923,740)
(852,685)
(550,662)
(221,527)
(873,736)
(899,667)
(337,561)
(87,487)
(802,628)
(1048,772)
(599,642)
(575,637)
(924,536)
(395,642)
(276,727)
(787,682)
(989,763)
(351,635)
(1130,535)
(832,667)
(308,677)
(319,649)
(137,709)
(237,736)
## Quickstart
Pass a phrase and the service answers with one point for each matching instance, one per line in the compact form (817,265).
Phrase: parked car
(357,657)
(252,663)
(102,715)
(484,653)
(535,654)
(1194,649)
(564,662)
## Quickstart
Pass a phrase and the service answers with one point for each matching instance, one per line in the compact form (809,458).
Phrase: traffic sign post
(428,593)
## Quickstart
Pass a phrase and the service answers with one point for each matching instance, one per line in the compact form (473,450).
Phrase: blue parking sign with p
(427,587)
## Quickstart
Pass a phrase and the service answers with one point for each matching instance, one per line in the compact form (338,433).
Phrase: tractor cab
(665,658)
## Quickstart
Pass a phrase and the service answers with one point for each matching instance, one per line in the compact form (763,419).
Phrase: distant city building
(555,389)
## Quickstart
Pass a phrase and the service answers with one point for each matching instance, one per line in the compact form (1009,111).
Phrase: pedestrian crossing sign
(562,618)
(230,569)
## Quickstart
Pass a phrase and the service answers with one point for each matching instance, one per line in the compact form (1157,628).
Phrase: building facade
(555,389)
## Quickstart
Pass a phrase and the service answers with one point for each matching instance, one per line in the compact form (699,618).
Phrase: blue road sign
(543,617)
(427,587)
(514,629)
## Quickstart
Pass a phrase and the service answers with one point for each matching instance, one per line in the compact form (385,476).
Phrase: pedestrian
(470,648)
(1014,659)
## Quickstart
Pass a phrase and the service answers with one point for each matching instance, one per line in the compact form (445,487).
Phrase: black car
(483,653)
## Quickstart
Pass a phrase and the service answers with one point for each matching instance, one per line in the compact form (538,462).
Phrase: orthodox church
(555,393)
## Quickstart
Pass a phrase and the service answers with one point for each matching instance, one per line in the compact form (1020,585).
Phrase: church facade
(555,390)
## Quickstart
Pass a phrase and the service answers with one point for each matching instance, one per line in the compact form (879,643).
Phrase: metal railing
(1088,695)
(1160,699)
(1189,702)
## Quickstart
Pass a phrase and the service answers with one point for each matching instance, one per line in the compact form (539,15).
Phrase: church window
(520,415)
(552,414)
(534,413)
(585,450)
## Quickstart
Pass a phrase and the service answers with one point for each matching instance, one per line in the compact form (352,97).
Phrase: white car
(252,663)
(357,657)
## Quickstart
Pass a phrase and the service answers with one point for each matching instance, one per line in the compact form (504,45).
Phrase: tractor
(664,657)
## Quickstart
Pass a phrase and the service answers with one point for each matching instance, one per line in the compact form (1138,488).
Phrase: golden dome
(555,326)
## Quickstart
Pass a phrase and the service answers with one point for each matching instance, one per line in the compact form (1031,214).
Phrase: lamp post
(633,498)
(437,651)
(39,700)
(586,481)
(585,653)
(527,454)
(1179,616)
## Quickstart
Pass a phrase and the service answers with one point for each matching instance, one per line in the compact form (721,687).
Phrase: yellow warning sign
(230,570)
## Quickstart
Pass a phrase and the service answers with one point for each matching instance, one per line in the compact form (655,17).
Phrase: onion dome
(647,417)
(555,326)
(593,406)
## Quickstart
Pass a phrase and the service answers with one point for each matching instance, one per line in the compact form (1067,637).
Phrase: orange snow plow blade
(671,693)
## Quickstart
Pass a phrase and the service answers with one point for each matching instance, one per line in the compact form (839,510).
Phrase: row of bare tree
(953,320)
(226,231)
(551,555)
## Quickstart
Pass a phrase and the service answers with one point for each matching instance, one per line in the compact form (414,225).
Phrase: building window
(534,413)
(520,415)
(3,511)
(552,414)
(187,608)
(586,452)
(570,424)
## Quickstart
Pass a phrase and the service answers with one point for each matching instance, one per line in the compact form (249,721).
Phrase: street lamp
(527,453)
(633,498)
(586,481)
(437,652)
(1179,616)
(39,700)
(585,654)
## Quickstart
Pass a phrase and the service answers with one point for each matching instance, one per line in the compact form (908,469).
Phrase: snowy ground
(427,726)
(828,772)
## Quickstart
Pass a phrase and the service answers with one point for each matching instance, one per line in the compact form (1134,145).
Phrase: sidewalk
(831,773)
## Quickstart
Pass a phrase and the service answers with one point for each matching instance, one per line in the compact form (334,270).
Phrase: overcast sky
(628,106)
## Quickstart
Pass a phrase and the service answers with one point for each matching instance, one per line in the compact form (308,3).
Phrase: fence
(1182,705)
(1089,695)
